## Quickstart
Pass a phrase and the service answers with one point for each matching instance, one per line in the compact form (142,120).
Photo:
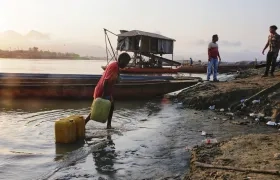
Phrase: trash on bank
(271,123)
(203,133)
(254,115)
(256,101)
(267,118)
(212,107)
(222,110)
(210,141)
(230,114)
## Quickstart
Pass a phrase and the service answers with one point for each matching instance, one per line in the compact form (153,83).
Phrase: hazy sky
(241,24)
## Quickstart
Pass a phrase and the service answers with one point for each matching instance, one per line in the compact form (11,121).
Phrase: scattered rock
(277,156)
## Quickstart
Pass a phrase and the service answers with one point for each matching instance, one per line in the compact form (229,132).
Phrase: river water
(148,140)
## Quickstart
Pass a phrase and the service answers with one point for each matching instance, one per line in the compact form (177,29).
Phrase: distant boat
(223,68)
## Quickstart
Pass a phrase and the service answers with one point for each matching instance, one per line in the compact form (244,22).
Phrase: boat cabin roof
(143,33)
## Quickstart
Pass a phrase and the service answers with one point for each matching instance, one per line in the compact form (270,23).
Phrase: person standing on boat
(274,44)
(191,61)
(213,55)
(104,87)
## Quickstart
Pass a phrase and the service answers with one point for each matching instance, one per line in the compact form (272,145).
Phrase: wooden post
(106,46)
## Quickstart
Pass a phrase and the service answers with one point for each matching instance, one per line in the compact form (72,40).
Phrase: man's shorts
(106,97)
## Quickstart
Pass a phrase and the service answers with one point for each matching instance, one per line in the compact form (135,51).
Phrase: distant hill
(11,40)
(35,35)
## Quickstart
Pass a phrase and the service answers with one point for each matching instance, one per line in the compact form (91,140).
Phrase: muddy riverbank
(225,94)
(254,152)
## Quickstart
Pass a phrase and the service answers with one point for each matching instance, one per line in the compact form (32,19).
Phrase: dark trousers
(271,61)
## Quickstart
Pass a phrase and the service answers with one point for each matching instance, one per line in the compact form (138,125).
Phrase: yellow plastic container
(80,125)
(70,129)
(65,131)
(100,110)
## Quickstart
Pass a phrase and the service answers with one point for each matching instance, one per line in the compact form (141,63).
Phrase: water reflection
(62,149)
(104,159)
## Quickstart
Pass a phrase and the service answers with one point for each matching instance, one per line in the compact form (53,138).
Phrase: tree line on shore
(35,53)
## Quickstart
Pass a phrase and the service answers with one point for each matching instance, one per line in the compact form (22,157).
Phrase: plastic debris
(257,119)
(212,107)
(256,101)
(215,118)
(203,133)
(210,141)
(242,100)
(230,114)
(245,117)
(222,110)
(252,114)
(271,123)
(267,118)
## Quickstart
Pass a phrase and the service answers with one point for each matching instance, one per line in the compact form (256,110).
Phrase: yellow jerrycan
(80,125)
(69,129)
(65,131)
(100,110)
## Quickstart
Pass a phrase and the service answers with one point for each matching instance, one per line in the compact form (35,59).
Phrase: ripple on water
(28,138)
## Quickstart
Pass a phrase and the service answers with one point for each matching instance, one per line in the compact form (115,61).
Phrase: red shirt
(110,74)
(213,50)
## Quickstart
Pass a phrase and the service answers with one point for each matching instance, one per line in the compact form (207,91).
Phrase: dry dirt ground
(250,151)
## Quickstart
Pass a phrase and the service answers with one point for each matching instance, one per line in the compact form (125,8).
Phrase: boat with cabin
(147,51)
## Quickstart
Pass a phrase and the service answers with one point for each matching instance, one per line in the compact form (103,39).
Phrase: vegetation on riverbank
(35,53)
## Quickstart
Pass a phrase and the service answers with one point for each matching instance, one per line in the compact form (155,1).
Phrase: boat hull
(20,78)
(122,91)
(134,70)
